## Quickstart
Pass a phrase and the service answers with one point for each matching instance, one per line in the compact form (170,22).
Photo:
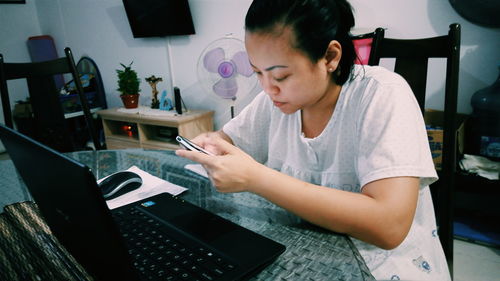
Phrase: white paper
(197,168)
(481,166)
(151,185)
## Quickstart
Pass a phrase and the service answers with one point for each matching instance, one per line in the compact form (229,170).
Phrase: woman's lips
(278,104)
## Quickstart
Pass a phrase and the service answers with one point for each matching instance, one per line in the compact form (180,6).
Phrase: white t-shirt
(376,131)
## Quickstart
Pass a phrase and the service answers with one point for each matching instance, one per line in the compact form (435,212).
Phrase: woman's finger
(196,156)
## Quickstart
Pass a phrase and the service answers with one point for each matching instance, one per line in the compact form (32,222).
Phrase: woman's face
(287,75)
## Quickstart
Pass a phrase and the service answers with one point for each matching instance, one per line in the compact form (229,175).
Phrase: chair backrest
(50,122)
(42,48)
(412,56)
(364,43)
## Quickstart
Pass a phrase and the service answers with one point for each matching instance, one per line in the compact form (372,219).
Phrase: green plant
(128,82)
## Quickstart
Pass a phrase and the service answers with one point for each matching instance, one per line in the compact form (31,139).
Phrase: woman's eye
(281,78)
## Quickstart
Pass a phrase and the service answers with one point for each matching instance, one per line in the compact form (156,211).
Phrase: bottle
(486,121)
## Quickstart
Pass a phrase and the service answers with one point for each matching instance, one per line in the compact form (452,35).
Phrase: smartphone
(189,145)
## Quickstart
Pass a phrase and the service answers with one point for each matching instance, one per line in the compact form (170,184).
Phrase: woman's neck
(316,117)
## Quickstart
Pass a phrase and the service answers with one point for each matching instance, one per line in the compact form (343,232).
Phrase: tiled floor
(472,262)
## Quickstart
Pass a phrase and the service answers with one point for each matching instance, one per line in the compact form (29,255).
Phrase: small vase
(486,120)
(130,101)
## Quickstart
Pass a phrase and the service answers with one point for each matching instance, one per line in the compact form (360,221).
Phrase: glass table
(312,253)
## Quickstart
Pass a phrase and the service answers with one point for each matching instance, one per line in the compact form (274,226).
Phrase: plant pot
(130,101)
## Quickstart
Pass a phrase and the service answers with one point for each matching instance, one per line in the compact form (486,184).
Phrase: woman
(341,146)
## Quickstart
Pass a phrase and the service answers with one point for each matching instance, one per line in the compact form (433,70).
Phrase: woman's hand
(204,140)
(231,170)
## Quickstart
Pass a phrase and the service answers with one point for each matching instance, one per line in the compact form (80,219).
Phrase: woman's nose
(268,86)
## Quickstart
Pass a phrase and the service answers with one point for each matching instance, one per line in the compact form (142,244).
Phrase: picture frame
(12,1)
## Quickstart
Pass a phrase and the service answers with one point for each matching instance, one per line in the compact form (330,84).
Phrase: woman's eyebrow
(271,67)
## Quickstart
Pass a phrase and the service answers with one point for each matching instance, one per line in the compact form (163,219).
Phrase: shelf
(134,130)
(120,142)
(476,184)
(80,113)
(477,194)
(477,212)
(152,144)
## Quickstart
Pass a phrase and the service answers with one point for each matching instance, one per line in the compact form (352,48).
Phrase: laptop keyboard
(157,256)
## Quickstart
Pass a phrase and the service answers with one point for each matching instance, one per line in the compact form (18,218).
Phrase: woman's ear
(333,55)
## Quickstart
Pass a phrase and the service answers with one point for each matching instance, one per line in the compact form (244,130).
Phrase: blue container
(486,121)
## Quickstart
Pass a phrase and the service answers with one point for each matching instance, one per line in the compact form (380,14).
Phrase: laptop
(188,242)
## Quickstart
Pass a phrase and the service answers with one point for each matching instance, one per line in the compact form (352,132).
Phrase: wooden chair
(364,43)
(412,57)
(50,124)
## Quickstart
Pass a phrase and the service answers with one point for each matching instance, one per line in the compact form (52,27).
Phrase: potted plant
(128,86)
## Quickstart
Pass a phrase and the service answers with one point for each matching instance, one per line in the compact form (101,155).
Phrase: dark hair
(314,23)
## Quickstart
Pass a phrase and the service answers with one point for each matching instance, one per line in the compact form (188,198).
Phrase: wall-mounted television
(157,18)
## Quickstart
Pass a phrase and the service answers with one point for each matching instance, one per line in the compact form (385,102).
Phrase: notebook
(193,244)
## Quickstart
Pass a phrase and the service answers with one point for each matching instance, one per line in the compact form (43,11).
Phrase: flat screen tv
(158,18)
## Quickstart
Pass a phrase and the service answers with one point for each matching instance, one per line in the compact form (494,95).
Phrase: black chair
(365,43)
(412,56)
(50,126)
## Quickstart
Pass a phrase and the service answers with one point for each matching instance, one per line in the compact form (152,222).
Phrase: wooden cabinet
(136,130)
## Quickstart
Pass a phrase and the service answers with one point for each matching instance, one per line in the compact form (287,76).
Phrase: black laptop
(158,238)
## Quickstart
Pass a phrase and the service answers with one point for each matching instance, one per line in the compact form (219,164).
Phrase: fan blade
(242,63)
(212,59)
(226,88)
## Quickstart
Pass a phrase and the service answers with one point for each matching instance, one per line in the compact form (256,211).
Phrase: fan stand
(233,101)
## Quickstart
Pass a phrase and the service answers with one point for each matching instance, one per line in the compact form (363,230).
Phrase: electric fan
(224,70)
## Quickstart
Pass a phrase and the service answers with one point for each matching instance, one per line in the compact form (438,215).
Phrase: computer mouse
(119,183)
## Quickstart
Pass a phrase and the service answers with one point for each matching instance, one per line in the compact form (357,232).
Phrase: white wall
(17,23)
(480,46)
(213,19)
(99,29)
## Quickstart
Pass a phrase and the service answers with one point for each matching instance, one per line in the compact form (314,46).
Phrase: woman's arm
(381,215)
